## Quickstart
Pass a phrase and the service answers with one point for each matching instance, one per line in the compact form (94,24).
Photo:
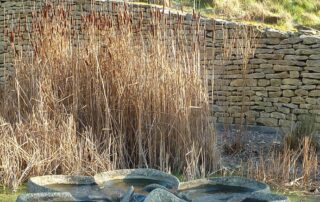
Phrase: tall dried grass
(287,168)
(104,96)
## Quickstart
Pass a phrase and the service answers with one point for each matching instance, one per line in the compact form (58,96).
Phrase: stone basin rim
(46,196)
(39,184)
(256,186)
(140,173)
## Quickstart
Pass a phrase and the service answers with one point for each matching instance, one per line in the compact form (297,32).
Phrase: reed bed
(104,96)
(288,168)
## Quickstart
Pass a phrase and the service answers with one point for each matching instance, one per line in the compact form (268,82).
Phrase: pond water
(7,196)
(205,190)
(112,189)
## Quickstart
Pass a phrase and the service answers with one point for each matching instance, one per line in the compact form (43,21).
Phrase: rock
(301,92)
(308,40)
(291,40)
(278,115)
(288,93)
(314,57)
(313,69)
(311,100)
(268,121)
(285,51)
(161,195)
(308,87)
(288,87)
(314,93)
(273,33)
(290,105)
(275,94)
(297,100)
(263,51)
(311,75)
(281,68)
(315,51)
(296,57)
(284,109)
(294,82)
(258,61)
(294,74)
(46,196)
(271,56)
(138,198)
(288,62)
(266,66)
(310,81)
(314,63)
(269,41)
(240,82)
(151,187)
(281,75)
(128,195)
(275,82)
(273,88)
(263,82)
(259,75)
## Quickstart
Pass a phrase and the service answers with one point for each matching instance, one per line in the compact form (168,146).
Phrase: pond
(7,196)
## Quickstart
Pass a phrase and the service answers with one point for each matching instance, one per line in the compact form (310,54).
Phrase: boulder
(160,195)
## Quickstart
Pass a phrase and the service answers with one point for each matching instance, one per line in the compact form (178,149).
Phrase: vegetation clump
(104,96)
(284,14)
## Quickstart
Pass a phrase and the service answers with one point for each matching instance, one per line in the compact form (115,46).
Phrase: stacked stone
(281,82)
(255,76)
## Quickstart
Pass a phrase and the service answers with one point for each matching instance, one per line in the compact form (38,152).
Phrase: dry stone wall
(258,76)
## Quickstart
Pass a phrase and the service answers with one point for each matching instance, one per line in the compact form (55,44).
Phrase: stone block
(241,82)
(313,69)
(272,122)
(284,99)
(314,93)
(291,40)
(271,56)
(310,81)
(284,110)
(281,75)
(275,94)
(313,63)
(259,75)
(314,57)
(288,87)
(273,33)
(315,51)
(308,40)
(262,93)
(266,66)
(275,82)
(288,93)
(311,75)
(290,105)
(298,100)
(312,100)
(265,115)
(294,82)
(280,68)
(294,74)
(278,115)
(285,123)
(273,88)
(263,51)
(285,51)
(296,57)
(263,82)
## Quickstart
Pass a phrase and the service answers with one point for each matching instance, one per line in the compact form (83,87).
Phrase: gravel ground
(257,140)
